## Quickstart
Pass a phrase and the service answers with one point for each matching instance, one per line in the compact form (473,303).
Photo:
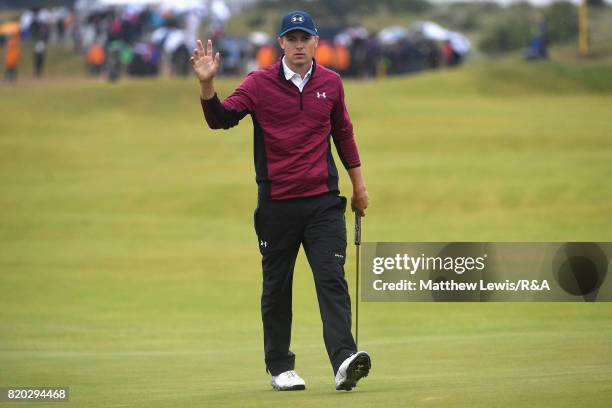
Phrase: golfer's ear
(281,42)
(316,44)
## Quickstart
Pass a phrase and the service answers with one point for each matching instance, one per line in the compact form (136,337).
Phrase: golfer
(295,106)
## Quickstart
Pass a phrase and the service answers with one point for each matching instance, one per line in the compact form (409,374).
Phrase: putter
(357,245)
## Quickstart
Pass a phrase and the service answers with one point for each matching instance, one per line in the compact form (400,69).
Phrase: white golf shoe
(288,381)
(352,370)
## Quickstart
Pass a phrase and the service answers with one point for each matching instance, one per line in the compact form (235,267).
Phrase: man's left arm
(342,133)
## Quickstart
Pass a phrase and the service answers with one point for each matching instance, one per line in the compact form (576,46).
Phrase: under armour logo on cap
(297,19)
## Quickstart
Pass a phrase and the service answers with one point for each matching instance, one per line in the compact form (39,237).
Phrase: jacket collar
(281,69)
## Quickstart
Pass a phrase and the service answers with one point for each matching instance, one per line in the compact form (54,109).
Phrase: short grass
(129,268)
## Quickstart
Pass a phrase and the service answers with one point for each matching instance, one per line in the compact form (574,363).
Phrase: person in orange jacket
(13,54)
(325,54)
(266,56)
(342,60)
(95,59)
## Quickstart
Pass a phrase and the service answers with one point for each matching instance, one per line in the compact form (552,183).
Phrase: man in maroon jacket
(296,105)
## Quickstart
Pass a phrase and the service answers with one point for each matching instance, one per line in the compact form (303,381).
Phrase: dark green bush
(561,21)
(507,36)
(519,23)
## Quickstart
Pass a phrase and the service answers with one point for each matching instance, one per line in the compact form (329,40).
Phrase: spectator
(180,61)
(373,60)
(266,56)
(95,59)
(538,45)
(359,57)
(342,59)
(114,60)
(13,54)
(39,57)
(324,54)
(450,56)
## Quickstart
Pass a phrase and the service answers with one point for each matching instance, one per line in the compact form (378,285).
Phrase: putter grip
(357,229)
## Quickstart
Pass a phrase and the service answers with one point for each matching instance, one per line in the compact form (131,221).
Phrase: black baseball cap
(297,20)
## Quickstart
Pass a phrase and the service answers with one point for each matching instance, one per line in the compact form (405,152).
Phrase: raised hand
(204,64)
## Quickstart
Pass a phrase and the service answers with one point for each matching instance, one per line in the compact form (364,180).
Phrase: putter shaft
(357,245)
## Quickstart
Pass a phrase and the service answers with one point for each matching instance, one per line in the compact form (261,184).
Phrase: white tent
(459,43)
(174,4)
(430,30)
(392,34)
(259,38)
(219,10)
(177,5)
(175,39)
(435,32)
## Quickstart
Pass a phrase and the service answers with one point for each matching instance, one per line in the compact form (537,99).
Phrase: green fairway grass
(130,271)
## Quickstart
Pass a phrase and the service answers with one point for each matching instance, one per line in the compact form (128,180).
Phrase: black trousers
(318,224)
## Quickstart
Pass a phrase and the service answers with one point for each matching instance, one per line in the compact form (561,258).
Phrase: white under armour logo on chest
(321,95)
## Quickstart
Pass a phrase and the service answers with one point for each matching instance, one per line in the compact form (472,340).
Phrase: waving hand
(204,63)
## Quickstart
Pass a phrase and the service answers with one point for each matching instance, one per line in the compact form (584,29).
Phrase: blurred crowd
(118,38)
(40,26)
(115,37)
(355,52)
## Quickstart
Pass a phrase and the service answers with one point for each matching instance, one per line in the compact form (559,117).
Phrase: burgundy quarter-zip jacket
(292,130)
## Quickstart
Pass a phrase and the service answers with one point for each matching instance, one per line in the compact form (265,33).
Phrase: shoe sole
(357,369)
(298,387)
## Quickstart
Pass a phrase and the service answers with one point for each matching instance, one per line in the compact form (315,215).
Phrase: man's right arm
(207,90)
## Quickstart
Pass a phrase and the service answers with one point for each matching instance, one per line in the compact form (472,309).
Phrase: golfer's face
(299,47)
